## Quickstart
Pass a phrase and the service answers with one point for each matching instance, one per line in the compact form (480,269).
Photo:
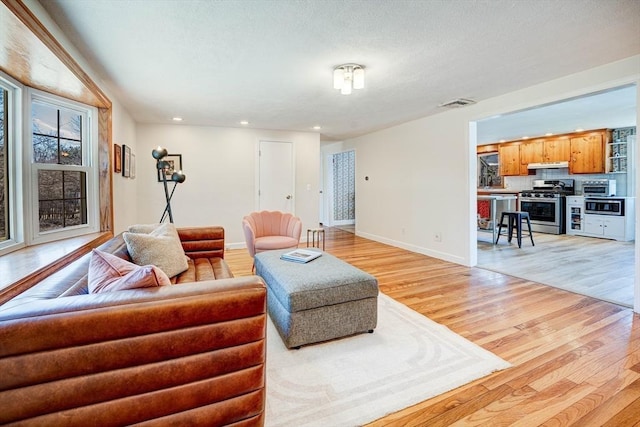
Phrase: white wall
(422,173)
(125,191)
(221,167)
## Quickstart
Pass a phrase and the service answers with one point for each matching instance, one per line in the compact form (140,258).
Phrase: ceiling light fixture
(347,77)
(177,119)
(317,128)
(244,122)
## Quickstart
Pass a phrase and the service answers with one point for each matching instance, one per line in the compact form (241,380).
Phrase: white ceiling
(216,63)
(614,108)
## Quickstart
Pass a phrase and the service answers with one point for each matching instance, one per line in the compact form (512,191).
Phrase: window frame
(90,150)
(13,135)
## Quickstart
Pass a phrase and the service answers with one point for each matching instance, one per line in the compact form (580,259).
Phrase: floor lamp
(176,177)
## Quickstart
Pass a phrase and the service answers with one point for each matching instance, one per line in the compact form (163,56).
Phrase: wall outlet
(437,236)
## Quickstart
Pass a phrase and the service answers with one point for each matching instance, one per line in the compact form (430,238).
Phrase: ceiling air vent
(457,103)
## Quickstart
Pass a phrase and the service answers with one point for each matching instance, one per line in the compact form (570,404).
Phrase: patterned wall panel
(344,186)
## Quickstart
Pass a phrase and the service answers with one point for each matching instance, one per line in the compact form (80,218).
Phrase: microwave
(599,187)
(604,206)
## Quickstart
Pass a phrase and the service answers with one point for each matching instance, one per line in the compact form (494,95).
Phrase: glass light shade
(338,78)
(346,88)
(358,78)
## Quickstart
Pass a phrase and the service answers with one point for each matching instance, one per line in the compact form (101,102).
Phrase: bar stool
(514,219)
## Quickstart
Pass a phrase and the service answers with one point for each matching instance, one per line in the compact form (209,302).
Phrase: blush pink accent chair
(268,230)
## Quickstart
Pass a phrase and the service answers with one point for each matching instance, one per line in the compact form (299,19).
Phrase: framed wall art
(132,169)
(174,162)
(126,161)
(117,158)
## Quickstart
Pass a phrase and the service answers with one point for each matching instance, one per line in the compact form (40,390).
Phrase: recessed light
(177,119)
(525,137)
(503,140)
(317,128)
(244,122)
(548,134)
(579,130)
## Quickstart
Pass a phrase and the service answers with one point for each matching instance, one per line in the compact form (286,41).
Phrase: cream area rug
(358,379)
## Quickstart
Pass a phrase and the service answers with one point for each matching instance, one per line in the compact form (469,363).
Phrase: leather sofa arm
(197,350)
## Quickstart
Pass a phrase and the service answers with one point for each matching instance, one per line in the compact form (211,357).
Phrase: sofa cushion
(110,273)
(161,248)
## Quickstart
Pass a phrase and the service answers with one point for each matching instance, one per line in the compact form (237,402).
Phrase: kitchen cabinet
(575,215)
(617,227)
(509,159)
(531,152)
(612,227)
(557,150)
(545,150)
(587,153)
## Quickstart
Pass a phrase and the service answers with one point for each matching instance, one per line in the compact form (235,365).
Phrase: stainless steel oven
(603,206)
(546,213)
(546,204)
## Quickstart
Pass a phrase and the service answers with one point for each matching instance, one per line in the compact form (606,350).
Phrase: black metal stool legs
(514,220)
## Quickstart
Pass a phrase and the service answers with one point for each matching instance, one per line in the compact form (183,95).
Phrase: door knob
(289,197)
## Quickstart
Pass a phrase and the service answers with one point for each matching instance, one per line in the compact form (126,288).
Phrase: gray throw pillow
(161,248)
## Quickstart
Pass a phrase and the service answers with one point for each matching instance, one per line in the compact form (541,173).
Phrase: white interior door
(276,183)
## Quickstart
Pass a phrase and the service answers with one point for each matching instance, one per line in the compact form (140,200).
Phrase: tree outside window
(57,141)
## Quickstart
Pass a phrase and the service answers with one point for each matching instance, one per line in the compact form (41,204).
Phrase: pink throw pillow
(109,273)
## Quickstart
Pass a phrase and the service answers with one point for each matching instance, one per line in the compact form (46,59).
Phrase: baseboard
(413,248)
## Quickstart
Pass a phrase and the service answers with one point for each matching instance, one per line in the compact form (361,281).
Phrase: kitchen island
(494,199)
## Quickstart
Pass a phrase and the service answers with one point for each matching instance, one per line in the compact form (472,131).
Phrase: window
(11,212)
(64,175)
(4,166)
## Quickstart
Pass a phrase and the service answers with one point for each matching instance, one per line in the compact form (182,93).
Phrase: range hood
(548,165)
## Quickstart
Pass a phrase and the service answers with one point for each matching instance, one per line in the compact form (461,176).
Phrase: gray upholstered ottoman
(317,301)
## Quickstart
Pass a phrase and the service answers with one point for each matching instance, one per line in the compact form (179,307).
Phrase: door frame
(473,172)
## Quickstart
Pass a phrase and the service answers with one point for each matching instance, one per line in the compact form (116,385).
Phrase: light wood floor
(576,359)
(599,268)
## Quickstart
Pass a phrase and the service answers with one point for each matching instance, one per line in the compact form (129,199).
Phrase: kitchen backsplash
(517,183)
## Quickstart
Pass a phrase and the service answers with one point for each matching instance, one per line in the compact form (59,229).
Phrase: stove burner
(553,188)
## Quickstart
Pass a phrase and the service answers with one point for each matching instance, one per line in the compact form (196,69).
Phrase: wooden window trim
(22,279)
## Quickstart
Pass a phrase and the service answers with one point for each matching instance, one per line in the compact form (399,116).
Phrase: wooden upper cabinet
(587,153)
(557,150)
(531,151)
(509,159)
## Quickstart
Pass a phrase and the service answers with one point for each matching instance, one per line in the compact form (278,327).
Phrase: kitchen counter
(494,199)
(497,191)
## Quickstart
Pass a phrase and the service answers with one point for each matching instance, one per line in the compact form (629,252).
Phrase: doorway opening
(605,269)
(341,200)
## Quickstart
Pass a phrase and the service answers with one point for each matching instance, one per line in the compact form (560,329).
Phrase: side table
(317,235)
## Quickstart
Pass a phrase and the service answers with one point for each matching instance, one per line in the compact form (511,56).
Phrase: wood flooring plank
(605,414)
(576,359)
(572,414)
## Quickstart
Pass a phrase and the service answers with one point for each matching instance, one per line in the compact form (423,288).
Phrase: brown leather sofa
(190,354)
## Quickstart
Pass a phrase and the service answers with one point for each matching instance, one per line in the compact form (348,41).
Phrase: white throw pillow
(161,248)
(143,228)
